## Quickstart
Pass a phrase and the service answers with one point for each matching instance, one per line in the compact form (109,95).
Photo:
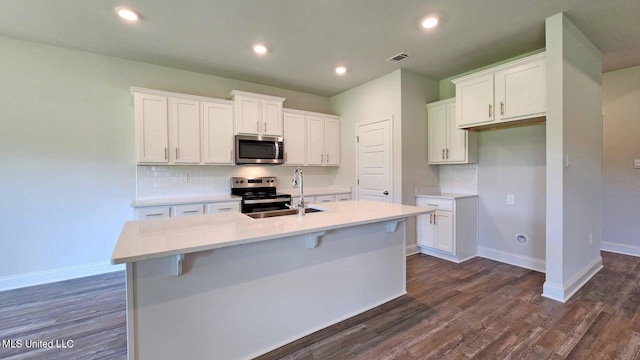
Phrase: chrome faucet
(298,180)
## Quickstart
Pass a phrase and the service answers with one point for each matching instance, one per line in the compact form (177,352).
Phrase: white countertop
(186,200)
(148,239)
(449,196)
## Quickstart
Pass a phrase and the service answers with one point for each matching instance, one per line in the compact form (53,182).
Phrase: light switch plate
(636,163)
(511,199)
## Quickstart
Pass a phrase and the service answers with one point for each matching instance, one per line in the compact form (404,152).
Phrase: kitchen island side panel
(242,301)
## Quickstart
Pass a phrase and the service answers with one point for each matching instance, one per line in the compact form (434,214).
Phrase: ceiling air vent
(397,58)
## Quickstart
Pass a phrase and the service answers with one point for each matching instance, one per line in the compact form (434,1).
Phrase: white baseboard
(564,293)
(625,249)
(512,259)
(54,275)
(412,249)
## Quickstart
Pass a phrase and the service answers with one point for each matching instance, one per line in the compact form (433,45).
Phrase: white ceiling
(308,38)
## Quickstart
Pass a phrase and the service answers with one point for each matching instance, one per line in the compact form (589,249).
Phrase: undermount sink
(272,213)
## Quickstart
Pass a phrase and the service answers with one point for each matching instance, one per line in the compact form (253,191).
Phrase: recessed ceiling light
(430,22)
(341,70)
(260,49)
(127,14)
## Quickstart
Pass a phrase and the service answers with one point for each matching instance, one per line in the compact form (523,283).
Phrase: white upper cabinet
(217,133)
(311,138)
(151,128)
(331,142)
(184,138)
(167,129)
(173,128)
(295,139)
(315,140)
(257,114)
(446,143)
(509,92)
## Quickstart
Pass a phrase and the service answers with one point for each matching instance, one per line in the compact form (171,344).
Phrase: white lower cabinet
(451,232)
(325,199)
(159,212)
(222,207)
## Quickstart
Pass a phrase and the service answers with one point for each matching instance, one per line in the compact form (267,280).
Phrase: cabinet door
(248,115)
(444,231)
(457,145)
(437,133)
(475,101)
(315,140)
(152,128)
(184,117)
(217,133)
(332,142)
(426,230)
(521,91)
(272,118)
(294,139)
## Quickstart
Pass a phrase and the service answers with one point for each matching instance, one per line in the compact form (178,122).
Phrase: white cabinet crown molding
(234,93)
(507,65)
(141,90)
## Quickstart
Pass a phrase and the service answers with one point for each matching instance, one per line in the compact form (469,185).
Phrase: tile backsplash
(460,179)
(166,182)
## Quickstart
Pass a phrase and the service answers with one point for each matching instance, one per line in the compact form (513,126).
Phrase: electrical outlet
(511,199)
(590,238)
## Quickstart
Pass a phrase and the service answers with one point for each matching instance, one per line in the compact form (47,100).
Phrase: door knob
(386,192)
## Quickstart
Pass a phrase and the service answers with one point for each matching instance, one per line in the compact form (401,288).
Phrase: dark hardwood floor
(480,309)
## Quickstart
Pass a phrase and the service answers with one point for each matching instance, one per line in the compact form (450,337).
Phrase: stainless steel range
(259,194)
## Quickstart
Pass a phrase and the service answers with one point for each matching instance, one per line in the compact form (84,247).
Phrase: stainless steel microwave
(264,150)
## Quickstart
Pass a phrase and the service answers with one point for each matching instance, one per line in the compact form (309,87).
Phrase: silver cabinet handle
(431,218)
(435,218)
(442,154)
(447,153)
(385,193)
(321,158)
(489,110)
(285,157)
(327,158)
(257,126)
(177,153)
(265,127)
(501,108)
(166,153)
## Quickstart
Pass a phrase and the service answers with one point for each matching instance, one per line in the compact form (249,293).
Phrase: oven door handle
(266,201)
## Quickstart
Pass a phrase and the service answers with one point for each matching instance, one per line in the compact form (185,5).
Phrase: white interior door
(375,144)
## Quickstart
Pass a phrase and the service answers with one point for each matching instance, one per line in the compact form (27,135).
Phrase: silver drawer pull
(190,211)
(433,205)
(154,214)
(223,209)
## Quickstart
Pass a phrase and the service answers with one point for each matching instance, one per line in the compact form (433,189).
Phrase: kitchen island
(226,286)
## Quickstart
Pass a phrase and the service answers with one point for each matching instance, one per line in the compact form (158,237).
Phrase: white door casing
(375,160)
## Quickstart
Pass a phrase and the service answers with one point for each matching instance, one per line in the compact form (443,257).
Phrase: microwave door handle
(277,150)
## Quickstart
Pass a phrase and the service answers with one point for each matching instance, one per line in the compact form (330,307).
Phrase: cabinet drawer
(185,210)
(325,199)
(154,213)
(223,207)
(440,204)
(343,197)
